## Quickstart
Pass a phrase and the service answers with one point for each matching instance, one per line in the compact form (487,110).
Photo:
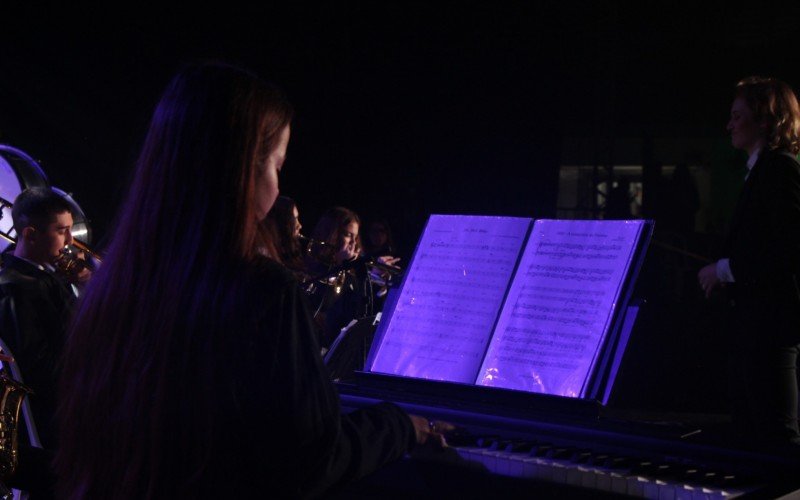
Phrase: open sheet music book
(512,303)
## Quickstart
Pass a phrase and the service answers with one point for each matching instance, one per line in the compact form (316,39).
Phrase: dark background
(403,109)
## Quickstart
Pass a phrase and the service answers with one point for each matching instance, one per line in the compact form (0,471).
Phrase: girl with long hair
(191,369)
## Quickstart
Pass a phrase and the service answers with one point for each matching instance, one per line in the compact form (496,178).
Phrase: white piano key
(574,477)
(488,459)
(516,464)
(500,460)
(619,483)
(588,477)
(666,490)
(559,473)
(531,469)
(686,492)
(603,480)
(544,470)
(636,486)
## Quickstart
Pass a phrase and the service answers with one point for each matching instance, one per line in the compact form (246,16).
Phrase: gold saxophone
(12,394)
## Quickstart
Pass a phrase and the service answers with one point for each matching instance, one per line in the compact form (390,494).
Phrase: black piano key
(541,449)
(732,481)
(618,463)
(560,452)
(695,475)
(461,437)
(644,468)
(725,480)
(664,471)
(582,456)
(517,446)
(485,441)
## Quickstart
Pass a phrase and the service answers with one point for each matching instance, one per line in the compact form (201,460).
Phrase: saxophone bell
(12,395)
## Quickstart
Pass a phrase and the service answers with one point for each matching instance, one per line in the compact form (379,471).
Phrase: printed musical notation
(559,305)
(454,287)
(465,315)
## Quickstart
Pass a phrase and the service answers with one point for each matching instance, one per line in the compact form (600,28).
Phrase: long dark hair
(148,329)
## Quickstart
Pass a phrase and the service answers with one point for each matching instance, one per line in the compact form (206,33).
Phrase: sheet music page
(560,305)
(450,298)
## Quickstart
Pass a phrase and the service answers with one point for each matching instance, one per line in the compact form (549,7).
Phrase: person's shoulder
(269,273)
(780,158)
(11,274)
(780,164)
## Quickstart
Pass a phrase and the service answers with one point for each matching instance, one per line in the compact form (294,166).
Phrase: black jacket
(764,242)
(248,407)
(35,310)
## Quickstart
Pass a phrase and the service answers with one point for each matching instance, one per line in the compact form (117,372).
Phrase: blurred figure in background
(333,260)
(283,220)
(379,240)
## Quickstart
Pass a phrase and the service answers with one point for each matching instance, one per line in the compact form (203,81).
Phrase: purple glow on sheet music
(560,306)
(447,307)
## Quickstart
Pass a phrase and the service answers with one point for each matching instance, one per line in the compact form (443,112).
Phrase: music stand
(348,353)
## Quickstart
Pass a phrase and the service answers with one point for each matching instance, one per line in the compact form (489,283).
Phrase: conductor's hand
(430,431)
(707,277)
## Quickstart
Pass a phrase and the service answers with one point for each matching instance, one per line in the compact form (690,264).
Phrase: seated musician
(379,245)
(283,220)
(333,259)
(36,300)
(192,370)
(379,241)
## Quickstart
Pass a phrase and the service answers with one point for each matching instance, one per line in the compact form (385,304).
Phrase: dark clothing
(764,251)
(287,435)
(346,299)
(35,309)
(248,409)
(34,472)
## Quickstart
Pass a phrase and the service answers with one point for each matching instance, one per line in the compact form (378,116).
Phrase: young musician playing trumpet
(35,299)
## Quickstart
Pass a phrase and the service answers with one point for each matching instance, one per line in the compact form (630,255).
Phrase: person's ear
(29,234)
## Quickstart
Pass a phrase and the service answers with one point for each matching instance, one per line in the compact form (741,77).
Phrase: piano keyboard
(587,469)
(586,453)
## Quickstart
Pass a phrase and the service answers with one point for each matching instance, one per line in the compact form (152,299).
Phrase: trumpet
(313,246)
(380,272)
(70,262)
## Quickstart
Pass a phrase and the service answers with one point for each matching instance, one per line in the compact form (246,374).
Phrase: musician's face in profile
(44,244)
(266,189)
(297,225)
(349,236)
(746,132)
